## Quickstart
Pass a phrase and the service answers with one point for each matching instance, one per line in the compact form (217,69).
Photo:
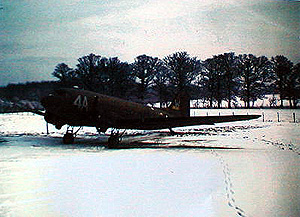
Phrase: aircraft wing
(171,122)
(38,112)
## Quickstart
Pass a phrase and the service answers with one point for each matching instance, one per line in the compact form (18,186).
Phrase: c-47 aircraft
(76,107)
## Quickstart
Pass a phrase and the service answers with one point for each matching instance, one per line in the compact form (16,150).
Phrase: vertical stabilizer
(184,104)
(181,104)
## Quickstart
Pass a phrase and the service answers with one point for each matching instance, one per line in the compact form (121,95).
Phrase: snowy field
(248,168)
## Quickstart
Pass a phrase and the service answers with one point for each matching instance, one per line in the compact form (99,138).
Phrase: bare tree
(182,69)
(212,81)
(255,76)
(65,74)
(118,77)
(282,68)
(103,75)
(293,86)
(228,63)
(162,84)
(144,69)
(88,72)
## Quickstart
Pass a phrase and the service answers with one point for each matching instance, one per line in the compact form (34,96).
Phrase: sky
(36,35)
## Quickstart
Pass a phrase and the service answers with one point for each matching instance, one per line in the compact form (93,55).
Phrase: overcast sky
(36,35)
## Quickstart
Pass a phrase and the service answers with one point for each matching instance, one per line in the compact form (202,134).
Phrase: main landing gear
(70,135)
(115,139)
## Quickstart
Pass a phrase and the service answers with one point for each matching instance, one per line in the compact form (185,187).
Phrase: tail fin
(181,103)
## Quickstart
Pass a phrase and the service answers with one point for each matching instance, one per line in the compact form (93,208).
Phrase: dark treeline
(223,77)
(32,91)
(20,97)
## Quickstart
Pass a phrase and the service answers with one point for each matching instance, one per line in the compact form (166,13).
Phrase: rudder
(181,103)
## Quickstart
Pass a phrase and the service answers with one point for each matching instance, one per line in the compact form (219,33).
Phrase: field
(248,168)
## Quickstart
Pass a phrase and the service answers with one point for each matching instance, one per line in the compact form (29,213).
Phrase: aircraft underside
(140,124)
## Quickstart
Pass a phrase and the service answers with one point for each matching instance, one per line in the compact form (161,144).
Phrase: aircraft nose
(48,101)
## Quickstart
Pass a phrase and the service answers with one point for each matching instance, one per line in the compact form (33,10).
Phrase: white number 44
(81,102)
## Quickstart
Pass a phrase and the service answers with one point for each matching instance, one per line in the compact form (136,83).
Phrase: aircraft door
(95,106)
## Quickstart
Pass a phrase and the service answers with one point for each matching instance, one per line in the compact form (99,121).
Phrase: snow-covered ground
(248,168)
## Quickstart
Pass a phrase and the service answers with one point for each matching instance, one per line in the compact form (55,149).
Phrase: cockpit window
(61,92)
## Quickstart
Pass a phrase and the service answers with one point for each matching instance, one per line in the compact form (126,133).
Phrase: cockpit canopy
(61,92)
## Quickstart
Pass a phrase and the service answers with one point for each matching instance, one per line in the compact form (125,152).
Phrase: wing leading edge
(171,122)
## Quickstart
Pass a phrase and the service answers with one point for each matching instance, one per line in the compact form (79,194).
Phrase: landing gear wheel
(113,141)
(68,138)
(172,132)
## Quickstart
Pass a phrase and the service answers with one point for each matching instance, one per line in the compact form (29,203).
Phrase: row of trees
(222,77)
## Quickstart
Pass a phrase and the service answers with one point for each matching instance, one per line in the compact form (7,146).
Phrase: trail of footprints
(228,185)
(289,147)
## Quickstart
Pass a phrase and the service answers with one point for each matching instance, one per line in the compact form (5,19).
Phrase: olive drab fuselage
(84,108)
(76,107)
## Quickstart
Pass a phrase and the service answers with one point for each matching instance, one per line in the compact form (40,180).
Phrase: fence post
(294,116)
(47,128)
(263,116)
(278,117)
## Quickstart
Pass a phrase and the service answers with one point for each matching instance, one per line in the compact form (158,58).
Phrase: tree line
(224,77)
(32,91)
(17,97)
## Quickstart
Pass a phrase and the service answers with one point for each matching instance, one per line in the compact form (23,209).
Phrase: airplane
(78,108)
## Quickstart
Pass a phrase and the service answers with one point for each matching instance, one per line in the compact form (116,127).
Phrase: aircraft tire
(68,138)
(113,141)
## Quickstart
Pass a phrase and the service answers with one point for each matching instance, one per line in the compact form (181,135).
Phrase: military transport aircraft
(77,107)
